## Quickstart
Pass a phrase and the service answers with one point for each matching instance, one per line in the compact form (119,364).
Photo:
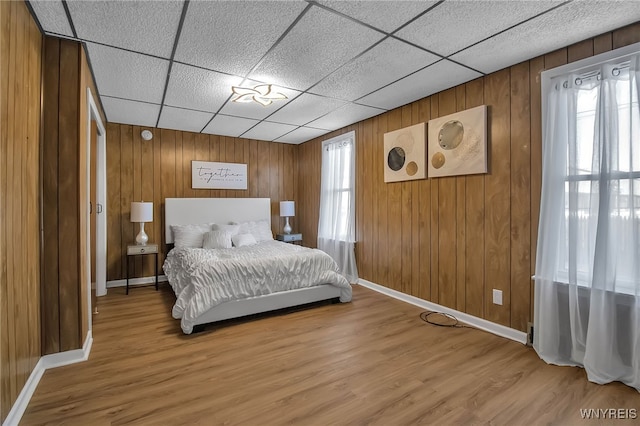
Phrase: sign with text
(212,175)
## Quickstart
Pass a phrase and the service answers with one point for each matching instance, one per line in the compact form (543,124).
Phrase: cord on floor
(424,316)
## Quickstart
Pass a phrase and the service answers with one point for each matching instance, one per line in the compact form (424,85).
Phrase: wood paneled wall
(452,240)
(161,168)
(65,205)
(20,76)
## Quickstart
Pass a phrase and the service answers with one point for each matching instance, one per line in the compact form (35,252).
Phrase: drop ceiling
(171,64)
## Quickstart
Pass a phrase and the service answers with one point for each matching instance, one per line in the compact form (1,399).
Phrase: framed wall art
(404,154)
(213,175)
(458,143)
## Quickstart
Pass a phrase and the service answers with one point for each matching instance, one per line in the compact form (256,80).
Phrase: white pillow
(240,240)
(216,240)
(261,230)
(244,227)
(189,235)
(232,229)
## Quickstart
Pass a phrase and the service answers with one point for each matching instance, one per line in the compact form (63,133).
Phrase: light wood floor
(370,361)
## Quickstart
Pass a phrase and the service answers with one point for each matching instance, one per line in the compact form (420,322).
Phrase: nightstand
(139,250)
(290,238)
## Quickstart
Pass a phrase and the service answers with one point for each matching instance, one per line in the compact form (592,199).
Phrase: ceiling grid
(185,7)
(171,63)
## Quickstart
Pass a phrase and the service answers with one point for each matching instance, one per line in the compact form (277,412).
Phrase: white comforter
(204,278)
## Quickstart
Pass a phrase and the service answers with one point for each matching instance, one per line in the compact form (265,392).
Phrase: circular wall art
(395,159)
(451,134)
(405,154)
(438,160)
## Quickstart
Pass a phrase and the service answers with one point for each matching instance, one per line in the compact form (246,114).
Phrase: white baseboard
(136,281)
(44,363)
(19,407)
(69,357)
(482,324)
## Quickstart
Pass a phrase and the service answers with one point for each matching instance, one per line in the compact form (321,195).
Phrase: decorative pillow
(217,240)
(240,240)
(232,229)
(261,230)
(189,235)
(244,227)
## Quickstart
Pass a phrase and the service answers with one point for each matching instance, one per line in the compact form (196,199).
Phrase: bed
(213,285)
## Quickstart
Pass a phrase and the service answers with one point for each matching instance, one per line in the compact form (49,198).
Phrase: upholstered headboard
(186,211)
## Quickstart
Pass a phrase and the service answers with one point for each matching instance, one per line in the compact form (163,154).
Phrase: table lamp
(287,210)
(141,212)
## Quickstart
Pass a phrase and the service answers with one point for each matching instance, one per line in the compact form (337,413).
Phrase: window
(587,279)
(336,226)
(601,153)
(337,199)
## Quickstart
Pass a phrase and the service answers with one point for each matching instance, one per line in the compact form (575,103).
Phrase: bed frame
(185,211)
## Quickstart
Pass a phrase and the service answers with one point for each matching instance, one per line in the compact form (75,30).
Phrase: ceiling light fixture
(261,94)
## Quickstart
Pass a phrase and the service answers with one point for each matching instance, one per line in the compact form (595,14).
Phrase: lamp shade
(141,212)
(287,209)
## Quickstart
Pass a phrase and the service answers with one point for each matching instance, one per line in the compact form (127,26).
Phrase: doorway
(96,194)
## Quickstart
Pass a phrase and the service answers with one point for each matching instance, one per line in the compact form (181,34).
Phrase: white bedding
(204,278)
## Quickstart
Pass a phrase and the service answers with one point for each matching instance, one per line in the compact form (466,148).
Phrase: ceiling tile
(130,112)
(348,114)
(183,119)
(319,43)
(52,16)
(385,15)
(439,76)
(129,75)
(229,126)
(385,63)
(195,88)
(452,26)
(561,27)
(267,131)
(144,26)
(302,134)
(232,36)
(254,109)
(306,108)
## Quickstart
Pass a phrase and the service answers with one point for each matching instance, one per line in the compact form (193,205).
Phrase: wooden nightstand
(290,238)
(136,250)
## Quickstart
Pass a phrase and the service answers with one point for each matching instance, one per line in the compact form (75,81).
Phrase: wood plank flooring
(371,361)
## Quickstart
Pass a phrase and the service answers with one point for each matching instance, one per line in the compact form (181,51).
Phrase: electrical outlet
(497,297)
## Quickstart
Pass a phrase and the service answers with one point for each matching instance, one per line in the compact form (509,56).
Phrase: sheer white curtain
(587,278)
(336,226)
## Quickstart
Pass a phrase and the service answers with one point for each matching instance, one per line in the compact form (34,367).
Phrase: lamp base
(142,238)
(287,227)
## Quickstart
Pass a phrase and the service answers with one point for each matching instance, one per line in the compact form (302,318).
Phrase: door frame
(101,203)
